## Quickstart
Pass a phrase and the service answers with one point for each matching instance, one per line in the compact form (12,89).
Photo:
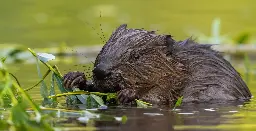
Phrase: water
(233,116)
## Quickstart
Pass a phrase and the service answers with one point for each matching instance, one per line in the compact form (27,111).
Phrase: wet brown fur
(140,64)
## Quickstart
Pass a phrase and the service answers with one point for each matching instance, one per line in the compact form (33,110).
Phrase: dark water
(234,116)
(189,117)
(226,116)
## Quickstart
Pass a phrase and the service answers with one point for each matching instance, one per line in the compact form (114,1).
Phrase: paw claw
(74,79)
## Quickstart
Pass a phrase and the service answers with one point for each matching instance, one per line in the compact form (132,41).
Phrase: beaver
(140,64)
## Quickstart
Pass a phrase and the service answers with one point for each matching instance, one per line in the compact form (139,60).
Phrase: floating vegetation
(20,111)
(143,104)
(16,101)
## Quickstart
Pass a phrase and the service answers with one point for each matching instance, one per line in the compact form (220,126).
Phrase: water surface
(233,116)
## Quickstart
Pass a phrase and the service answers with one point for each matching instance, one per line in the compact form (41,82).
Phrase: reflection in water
(209,114)
(164,119)
(138,120)
(192,114)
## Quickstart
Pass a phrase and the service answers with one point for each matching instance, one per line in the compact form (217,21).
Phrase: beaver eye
(118,75)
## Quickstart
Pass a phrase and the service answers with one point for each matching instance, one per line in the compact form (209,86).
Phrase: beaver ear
(169,40)
(185,42)
(118,32)
(122,27)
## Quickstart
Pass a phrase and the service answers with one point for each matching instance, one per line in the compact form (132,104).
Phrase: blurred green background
(46,23)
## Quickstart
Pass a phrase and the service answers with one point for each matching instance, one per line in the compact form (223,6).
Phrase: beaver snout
(100,72)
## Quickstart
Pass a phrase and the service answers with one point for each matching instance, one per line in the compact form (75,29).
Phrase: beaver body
(140,64)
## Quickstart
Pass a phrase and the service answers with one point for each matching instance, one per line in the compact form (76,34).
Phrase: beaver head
(140,61)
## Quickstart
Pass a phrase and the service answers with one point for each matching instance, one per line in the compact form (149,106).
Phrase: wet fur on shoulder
(211,76)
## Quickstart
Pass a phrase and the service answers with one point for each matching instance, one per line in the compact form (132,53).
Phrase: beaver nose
(100,72)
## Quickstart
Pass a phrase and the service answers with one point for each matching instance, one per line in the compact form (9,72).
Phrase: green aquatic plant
(178,102)
(74,95)
(16,102)
(21,113)
(56,78)
(142,104)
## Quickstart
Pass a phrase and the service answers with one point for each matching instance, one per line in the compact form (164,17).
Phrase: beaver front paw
(74,79)
(126,96)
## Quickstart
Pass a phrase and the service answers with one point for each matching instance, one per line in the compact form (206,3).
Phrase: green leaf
(71,100)
(22,120)
(18,114)
(178,102)
(43,89)
(98,99)
(82,98)
(91,102)
(142,104)
(111,96)
(52,90)
(6,101)
(34,106)
(88,102)
(59,82)
(53,101)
